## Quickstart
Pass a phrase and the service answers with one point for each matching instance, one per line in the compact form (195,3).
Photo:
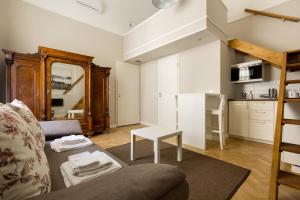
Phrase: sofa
(138,182)
(30,169)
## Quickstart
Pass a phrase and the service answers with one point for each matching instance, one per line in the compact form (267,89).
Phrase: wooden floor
(251,155)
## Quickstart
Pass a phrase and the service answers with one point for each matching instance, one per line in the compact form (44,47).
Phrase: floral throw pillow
(34,124)
(20,104)
(24,169)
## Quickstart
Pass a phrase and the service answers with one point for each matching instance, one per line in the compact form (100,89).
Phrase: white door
(167,69)
(128,94)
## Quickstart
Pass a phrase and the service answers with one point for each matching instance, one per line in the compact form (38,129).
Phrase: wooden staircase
(287,62)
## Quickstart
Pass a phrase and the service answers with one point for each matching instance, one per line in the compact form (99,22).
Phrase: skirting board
(147,123)
(251,139)
(113,126)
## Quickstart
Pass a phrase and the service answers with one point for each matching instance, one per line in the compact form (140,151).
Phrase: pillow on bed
(24,169)
(33,123)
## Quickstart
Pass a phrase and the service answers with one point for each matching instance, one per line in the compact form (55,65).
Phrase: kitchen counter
(252,99)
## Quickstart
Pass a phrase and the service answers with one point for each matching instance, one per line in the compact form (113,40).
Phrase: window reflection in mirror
(67,92)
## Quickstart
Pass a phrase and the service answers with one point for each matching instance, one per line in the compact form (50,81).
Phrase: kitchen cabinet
(238,118)
(253,120)
(261,129)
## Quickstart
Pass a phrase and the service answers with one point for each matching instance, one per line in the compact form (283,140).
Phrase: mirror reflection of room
(67,91)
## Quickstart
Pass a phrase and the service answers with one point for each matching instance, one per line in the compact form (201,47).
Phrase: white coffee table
(156,134)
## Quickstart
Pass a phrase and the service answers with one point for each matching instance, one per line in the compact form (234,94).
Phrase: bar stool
(220,114)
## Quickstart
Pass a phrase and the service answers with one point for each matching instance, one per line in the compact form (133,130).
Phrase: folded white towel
(88,163)
(57,145)
(73,139)
(70,179)
(92,170)
(78,156)
(92,163)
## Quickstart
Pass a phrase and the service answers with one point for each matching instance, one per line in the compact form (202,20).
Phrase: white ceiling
(118,14)
(236,7)
(115,18)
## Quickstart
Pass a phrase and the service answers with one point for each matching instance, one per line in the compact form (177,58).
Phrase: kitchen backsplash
(259,88)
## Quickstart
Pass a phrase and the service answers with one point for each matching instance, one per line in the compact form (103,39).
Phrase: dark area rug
(208,178)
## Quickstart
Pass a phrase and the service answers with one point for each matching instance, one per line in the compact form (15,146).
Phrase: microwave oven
(247,72)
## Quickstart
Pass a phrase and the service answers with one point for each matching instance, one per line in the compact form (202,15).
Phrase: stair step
(291,100)
(291,121)
(292,82)
(289,179)
(292,148)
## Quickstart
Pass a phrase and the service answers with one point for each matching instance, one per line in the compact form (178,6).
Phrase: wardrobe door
(99,99)
(25,84)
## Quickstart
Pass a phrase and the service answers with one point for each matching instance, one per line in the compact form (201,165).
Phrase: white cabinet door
(261,120)
(167,77)
(261,105)
(238,118)
(261,129)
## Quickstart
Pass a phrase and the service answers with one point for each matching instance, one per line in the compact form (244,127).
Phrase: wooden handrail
(274,15)
(73,85)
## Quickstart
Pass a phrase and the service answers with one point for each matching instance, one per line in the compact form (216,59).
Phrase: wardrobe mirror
(67,91)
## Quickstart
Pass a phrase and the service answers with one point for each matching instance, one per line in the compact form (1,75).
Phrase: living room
(150,87)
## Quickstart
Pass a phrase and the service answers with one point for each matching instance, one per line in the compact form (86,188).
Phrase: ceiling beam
(276,58)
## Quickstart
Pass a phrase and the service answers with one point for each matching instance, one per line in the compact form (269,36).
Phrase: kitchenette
(253,110)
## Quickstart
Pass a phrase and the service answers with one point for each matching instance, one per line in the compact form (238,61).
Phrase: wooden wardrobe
(41,80)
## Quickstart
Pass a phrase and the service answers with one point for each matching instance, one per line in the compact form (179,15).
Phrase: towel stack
(70,143)
(85,166)
(89,163)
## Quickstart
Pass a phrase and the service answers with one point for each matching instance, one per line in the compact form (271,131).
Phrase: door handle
(159,95)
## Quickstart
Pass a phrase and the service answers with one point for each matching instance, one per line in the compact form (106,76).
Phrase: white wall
(199,70)
(31,26)
(226,60)
(3,45)
(149,93)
